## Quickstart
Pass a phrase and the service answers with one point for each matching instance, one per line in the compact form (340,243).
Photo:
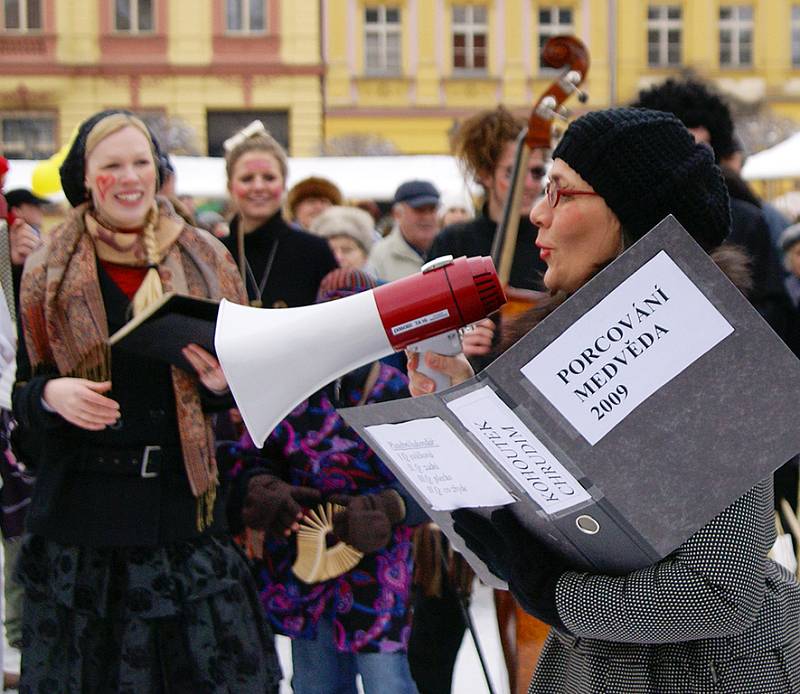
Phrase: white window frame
(383,29)
(134,12)
(12,150)
(736,25)
(553,27)
(23,27)
(247,29)
(471,28)
(662,25)
(795,35)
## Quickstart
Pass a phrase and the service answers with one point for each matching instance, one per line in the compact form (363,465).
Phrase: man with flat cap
(402,252)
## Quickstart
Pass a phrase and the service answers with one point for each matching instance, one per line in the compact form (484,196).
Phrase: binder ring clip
(587,524)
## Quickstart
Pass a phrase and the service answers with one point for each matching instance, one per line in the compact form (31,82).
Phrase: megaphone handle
(448,344)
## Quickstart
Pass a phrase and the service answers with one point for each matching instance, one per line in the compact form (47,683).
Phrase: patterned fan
(316,561)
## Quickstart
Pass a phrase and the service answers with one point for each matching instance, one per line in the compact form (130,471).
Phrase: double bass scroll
(568,54)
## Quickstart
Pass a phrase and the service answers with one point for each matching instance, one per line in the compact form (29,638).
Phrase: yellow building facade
(408,70)
(404,71)
(205,67)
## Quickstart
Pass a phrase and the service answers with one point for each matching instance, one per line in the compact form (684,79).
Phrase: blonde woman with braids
(132,583)
(281,265)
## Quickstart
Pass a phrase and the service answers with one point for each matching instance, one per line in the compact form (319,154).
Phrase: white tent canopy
(779,161)
(373,178)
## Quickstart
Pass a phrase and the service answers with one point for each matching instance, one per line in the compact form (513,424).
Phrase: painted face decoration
(257,186)
(121,177)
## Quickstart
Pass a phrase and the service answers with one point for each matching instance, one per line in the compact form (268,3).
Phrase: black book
(165,328)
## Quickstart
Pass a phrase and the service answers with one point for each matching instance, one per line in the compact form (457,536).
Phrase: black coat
(475,237)
(301,261)
(80,496)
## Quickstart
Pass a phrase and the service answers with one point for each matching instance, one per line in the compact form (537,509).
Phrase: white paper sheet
(439,466)
(519,451)
(643,334)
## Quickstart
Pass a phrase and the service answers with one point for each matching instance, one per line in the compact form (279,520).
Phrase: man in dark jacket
(708,118)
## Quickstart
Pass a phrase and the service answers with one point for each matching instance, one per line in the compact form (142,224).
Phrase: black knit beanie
(73,168)
(646,165)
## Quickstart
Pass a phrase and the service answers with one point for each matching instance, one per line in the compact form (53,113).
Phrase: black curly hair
(696,105)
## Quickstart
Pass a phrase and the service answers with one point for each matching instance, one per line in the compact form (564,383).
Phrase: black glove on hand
(513,554)
(274,506)
(367,521)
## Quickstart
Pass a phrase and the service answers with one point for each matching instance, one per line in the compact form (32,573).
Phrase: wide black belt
(145,461)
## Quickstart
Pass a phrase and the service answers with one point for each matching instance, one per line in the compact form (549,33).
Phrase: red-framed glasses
(553,193)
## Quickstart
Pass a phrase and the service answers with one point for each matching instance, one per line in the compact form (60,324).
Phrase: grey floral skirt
(179,619)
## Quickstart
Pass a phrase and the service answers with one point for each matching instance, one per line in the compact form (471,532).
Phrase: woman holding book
(132,583)
(716,615)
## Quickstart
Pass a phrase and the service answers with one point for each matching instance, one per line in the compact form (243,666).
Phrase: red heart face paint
(103,183)
(122,175)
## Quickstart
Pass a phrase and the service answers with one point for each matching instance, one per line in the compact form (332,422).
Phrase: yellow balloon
(45,179)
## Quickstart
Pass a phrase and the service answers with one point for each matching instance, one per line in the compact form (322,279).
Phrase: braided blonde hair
(151,289)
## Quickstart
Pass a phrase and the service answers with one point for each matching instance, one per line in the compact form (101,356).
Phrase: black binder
(166,327)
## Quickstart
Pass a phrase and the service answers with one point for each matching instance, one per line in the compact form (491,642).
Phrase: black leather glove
(513,554)
(367,520)
(274,506)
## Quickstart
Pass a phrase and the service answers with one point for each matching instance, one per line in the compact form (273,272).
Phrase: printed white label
(637,339)
(419,322)
(438,464)
(519,451)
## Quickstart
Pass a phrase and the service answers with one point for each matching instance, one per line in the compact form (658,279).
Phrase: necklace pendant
(257,303)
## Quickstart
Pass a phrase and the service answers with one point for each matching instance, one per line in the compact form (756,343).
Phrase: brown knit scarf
(65,325)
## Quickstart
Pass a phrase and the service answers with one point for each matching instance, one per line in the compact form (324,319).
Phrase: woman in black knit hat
(715,615)
(132,582)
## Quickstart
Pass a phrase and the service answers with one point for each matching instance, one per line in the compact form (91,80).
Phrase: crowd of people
(159,550)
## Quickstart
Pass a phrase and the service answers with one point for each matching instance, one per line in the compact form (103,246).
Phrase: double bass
(522,635)
(570,56)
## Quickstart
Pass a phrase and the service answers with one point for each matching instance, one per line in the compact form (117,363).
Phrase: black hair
(696,105)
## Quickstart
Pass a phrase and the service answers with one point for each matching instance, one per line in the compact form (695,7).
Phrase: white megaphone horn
(274,359)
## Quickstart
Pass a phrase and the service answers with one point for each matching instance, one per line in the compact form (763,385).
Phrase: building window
(795,35)
(663,35)
(134,16)
(552,22)
(469,37)
(27,135)
(735,36)
(22,15)
(382,40)
(246,17)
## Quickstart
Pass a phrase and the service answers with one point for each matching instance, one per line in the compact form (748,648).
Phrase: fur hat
(346,221)
(312,187)
(646,165)
(455,200)
(73,168)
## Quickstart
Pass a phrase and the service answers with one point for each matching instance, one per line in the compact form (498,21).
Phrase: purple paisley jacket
(313,447)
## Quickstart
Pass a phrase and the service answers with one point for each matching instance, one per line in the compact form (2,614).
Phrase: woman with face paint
(281,265)
(132,582)
(716,615)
